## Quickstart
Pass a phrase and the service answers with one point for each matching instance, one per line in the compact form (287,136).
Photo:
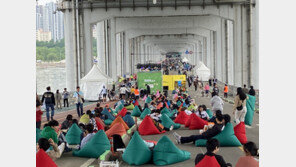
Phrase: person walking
(245,89)
(58,98)
(49,100)
(225,91)
(195,82)
(148,89)
(252,91)
(239,106)
(216,103)
(207,89)
(104,92)
(79,100)
(210,82)
(66,97)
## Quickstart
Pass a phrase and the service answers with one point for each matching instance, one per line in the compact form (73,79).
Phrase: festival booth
(92,84)
(153,79)
(203,72)
(171,81)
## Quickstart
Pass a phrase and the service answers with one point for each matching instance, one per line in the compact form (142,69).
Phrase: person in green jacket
(50,130)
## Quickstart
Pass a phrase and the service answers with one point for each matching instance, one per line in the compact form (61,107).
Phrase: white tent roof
(95,74)
(203,72)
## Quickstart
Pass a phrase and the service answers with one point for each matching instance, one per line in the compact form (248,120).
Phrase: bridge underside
(224,36)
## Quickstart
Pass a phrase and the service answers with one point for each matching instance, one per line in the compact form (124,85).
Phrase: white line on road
(88,162)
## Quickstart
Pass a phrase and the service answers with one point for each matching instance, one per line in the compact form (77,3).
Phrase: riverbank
(50,64)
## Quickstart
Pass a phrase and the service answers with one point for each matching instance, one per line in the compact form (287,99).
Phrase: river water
(55,77)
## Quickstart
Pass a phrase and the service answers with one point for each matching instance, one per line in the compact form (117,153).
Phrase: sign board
(153,79)
(172,80)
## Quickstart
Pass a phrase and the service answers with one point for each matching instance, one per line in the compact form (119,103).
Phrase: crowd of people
(53,133)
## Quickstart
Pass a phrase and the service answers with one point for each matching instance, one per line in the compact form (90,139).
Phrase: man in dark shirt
(252,91)
(49,99)
(212,148)
(211,132)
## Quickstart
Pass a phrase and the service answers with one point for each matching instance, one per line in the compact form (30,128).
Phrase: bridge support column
(101,46)
(113,62)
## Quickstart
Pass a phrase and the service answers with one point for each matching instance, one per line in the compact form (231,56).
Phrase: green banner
(153,79)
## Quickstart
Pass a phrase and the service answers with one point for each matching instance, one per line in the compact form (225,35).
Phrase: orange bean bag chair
(120,120)
(147,127)
(99,125)
(208,161)
(181,118)
(122,112)
(43,160)
(240,132)
(197,122)
(100,121)
(117,129)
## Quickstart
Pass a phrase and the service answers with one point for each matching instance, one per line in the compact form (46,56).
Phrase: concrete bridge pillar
(101,46)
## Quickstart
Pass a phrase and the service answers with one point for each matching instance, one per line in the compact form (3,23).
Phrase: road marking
(88,162)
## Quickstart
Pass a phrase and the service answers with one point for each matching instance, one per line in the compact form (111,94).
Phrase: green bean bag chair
(148,100)
(250,110)
(136,152)
(108,122)
(97,145)
(129,120)
(73,135)
(130,107)
(38,134)
(167,122)
(136,112)
(109,115)
(165,111)
(179,103)
(210,113)
(226,138)
(172,113)
(113,111)
(166,153)
(48,133)
(145,112)
(119,108)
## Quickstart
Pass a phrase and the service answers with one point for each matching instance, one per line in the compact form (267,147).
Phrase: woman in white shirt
(201,112)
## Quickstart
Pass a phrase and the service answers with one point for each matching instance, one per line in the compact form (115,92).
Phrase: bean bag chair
(250,110)
(166,153)
(84,119)
(208,161)
(181,118)
(166,105)
(165,111)
(188,122)
(116,129)
(210,113)
(73,135)
(43,160)
(148,100)
(38,134)
(145,112)
(136,152)
(136,103)
(240,132)
(226,138)
(190,107)
(136,112)
(197,122)
(119,108)
(108,114)
(172,113)
(99,125)
(129,120)
(130,107)
(122,112)
(112,111)
(48,133)
(167,122)
(147,127)
(108,121)
(159,106)
(100,121)
(179,103)
(120,120)
(97,145)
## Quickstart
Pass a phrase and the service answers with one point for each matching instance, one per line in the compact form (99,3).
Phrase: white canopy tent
(92,84)
(203,72)
(185,60)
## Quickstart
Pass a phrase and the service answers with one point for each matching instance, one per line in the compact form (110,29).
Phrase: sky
(43,2)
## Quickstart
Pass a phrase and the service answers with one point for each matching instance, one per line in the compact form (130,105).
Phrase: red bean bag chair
(99,125)
(43,160)
(208,161)
(120,120)
(100,121)
(188,122)
(181,118)
(166,104)
(122,112)
(117,129)
(151,141)
(147,127)
(240,132)
(136,103)
(197,122)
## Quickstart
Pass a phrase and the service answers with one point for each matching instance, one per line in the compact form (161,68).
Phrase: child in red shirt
(38,115)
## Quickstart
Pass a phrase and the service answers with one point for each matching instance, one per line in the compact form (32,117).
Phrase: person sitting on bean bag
(87,135)
(210,158)
(251,151)
(53,153)
(207,134)
(201,112)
